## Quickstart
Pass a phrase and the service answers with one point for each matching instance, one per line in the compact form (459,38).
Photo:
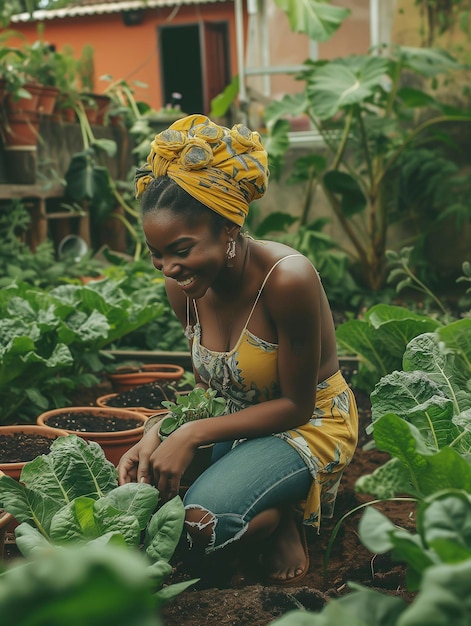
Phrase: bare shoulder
(290,272)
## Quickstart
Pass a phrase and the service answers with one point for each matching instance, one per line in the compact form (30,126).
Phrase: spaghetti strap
(189,332)
(289,256)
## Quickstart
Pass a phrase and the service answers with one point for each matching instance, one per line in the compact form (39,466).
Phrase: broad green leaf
(444,598)
(137,499)
(93,585)
(290,105)
(343,83)
(30,541)
(221,103)
(446,517)
(380,339)
(386,481)
(73,468)
(164,530)
(428,62)
(432,356)
(416,398)
(35,507)
(318,20)
(429,473)
(457,336)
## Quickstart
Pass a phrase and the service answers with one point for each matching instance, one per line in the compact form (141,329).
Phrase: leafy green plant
(421,417)
(371,123)
(52,341)
(379,339)
(71,496)
(198,404)
(89,584)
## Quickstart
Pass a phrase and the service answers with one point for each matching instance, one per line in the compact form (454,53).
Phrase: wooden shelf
(38,196)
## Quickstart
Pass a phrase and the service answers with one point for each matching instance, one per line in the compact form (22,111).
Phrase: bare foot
(284,557)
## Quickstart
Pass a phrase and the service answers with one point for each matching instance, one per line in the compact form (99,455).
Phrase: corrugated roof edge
(101,7)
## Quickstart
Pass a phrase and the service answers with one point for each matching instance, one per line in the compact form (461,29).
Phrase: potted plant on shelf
(115,430)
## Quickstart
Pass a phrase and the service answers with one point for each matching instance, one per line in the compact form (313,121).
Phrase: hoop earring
(231,252)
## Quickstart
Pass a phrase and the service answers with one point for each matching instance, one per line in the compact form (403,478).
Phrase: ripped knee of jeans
(200,525)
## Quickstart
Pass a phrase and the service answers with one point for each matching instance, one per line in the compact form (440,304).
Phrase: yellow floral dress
(248,375)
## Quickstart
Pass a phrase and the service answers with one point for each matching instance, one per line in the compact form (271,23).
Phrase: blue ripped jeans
(256,475)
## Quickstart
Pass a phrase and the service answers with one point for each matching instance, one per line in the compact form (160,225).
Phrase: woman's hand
(159,463)
(134,465)
(169,462)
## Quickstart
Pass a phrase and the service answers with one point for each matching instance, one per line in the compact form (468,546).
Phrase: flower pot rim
(28,428)
(102,403)
(102,411)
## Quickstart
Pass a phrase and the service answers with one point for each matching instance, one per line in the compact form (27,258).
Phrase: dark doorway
(194,63)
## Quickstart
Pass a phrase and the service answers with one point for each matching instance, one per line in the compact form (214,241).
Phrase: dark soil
(20,447)
(148,396)
(89,423)
(228,597)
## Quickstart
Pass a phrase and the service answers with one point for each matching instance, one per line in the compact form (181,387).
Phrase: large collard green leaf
(85,519)
(164,530)
(457,337)
(137,499)
(444,598)
(94,584)
(386,481)
(27,505)
(429,472)
(381,337)
(444,534)
(318,20)
(416,398)
(427,353)
(345,82)
(444,522)
(73,467)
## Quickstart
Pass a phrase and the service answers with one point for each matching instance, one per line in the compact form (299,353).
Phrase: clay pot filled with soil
(128,377)
(115,430)
(146,399)
(22,443)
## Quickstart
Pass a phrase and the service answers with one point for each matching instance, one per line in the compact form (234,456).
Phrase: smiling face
(193,254)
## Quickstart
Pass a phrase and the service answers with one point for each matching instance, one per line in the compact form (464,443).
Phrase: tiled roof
(97,7)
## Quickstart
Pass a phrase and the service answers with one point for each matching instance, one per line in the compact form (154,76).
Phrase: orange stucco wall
(129,53)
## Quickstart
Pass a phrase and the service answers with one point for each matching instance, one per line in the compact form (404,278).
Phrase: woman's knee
(200,524)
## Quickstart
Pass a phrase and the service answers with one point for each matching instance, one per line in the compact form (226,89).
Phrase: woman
(261,334)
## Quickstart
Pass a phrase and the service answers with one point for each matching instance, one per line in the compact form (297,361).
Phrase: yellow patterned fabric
(225,169)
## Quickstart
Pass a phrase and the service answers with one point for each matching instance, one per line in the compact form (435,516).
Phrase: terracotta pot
(126,378)
(114,443)
(21,129)
(24,104)
(14,469)
(47,99)
(102,402)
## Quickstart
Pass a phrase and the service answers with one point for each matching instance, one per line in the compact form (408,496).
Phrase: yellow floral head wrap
(223,168)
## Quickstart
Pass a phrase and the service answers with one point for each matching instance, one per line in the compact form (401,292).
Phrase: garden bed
(221,599)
